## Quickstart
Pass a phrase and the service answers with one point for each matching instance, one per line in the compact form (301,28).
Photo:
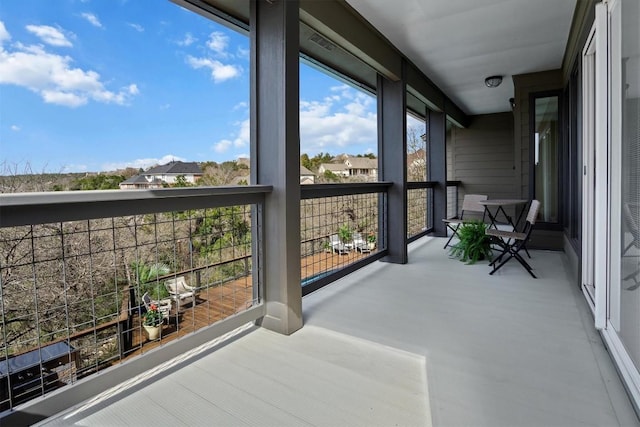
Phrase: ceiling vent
(318,39)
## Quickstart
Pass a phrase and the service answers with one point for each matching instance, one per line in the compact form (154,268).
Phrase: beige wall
(482,156)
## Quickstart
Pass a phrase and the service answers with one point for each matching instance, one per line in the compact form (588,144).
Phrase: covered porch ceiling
(458,43)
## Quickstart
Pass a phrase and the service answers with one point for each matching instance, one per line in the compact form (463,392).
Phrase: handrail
(41,208)
(316,191)
(414,185)
(203,267)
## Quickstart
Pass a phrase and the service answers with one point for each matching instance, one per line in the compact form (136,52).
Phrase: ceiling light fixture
(493,81)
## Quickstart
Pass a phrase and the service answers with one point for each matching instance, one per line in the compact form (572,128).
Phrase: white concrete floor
(430,342)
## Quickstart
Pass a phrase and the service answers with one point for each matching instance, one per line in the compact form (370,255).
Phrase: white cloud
(165,106)
(219,71)
(218,43)
(15,128)
(139,28)
(142,163)
(222,146)
(4,34)
(92,19)
(242,52)
(332,125)
(54,78)
(241,139)
(188,40)
(240,106)
(49,35)
(74,168)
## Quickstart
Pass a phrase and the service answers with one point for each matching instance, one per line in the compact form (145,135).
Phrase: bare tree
(416,155)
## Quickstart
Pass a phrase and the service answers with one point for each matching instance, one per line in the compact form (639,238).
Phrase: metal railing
(75,265)
(420,215)
(341,229)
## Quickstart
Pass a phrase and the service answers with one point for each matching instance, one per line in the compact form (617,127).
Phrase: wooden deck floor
(326,261)
(212,305)
(217,303)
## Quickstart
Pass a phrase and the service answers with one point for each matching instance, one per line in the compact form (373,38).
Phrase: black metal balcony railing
(342,228)
(74,268)
(420,207)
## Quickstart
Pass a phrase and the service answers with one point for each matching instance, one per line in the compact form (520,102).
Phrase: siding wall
(482,157)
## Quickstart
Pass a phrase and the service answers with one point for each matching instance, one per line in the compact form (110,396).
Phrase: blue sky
(97,85)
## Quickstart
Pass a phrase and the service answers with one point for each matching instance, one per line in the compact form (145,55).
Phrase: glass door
(625,180)
(546,146)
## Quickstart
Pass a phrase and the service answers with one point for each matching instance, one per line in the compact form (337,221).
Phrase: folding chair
(469,204)
(512,241)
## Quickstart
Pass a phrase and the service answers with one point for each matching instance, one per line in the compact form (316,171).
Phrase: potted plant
(345,233)
(474,244)
(371,240)
(152,322)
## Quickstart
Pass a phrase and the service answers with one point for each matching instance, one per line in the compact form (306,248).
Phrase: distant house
(140,182)
(159,176)
(352,167)
(362,166)
(306,176)
(336,168)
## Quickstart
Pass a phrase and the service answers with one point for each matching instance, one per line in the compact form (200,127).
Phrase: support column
(275,156)
(437,157)
(392,151)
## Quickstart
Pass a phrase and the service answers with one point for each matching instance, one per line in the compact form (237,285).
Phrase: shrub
(474,244)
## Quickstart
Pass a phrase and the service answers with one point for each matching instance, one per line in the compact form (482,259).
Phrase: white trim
(615,159)
(601,253)
(588,165)
(625,366)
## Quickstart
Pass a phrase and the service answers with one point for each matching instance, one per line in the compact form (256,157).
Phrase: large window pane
(627,82)
(545,156)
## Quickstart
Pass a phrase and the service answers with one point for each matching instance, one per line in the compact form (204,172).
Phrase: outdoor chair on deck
(360,244)
(336,245)
(512,242)
(469,204)
(180,292)
(164,305)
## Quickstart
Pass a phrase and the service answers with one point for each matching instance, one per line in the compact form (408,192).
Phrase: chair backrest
(334,238)
(470,204)
(357,238)
(146,300)
(177,285)
(534,208)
